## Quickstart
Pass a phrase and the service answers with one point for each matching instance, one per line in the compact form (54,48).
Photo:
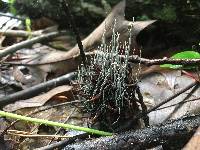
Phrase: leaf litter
(155,87)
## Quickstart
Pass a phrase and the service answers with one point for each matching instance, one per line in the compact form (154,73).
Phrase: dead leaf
(155,89)
(170,76)
(39,100)
(58,62)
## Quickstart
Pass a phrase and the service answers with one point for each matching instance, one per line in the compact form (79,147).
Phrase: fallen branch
(35,90)
(61,144)
(165,60)
(29,42)
(180,129)
(19,33)
(143,106)
(65,7)
(132,59)
(22,33)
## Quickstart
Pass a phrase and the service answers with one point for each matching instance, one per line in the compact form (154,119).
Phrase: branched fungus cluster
(107,84)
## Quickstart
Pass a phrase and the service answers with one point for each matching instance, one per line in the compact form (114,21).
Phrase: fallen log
(176,130)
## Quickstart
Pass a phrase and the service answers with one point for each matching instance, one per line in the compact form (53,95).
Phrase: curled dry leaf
(41,99)
(64,62)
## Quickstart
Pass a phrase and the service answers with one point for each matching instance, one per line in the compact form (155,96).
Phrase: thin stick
(30,135)
(61,144)
(35,90)
(19,33)
(65,6)
(146,138)
(177,107)
(137,59)
(182,102)
(140,115)
(29,42)
(143,106)
(132,59)
(57,132)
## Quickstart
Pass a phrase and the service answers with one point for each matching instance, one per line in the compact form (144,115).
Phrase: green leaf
(182,55)
(28,24)
(186,55)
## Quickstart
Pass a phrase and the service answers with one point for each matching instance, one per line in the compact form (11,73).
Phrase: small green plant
(28,25)
(11,6)
(51,123)
(183,55)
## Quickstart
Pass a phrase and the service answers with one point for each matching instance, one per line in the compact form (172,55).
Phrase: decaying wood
(143,138)
(61,144)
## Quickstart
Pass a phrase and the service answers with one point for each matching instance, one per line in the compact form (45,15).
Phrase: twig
(143,138)
(182,102)
(177,107)
(132,59)
(29,42)
(22,33)
(19,33)
(137,59)
(30,135)
(61,144)
(57,132)
(140,115)
(65,6)
(143,106)
(35,90)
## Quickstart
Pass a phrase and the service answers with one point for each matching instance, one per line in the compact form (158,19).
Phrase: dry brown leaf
(64,62)
(39,100)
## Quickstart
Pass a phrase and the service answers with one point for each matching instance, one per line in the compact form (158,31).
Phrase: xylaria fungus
(108,86)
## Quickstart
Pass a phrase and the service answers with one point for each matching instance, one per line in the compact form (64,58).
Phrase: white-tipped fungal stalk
(104,83)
